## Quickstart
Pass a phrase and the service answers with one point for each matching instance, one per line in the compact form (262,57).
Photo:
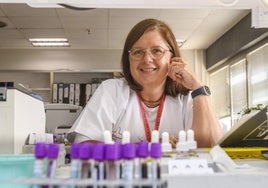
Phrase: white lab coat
(115,107)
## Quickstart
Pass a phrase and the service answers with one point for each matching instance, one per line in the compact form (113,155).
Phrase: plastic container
(14,167)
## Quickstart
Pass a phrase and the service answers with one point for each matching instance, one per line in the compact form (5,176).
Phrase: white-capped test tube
(181,146)
(191,143)
(166,145)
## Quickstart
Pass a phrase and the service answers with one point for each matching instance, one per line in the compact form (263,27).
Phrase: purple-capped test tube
(156,154)
(85,154)
(40,153)
(142,154)
(112,155)
(98,173)
(128,165)
(75,165)
(52,155)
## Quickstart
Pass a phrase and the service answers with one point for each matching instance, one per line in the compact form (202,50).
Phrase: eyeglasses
(156,52)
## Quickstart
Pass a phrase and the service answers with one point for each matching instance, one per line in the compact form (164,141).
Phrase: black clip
(3,91)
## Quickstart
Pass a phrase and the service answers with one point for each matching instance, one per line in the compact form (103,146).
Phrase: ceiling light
(180,42)
(44,5)
(227,2)
(265,3)
(49,42)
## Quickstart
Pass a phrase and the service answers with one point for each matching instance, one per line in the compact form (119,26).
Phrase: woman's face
(149,59)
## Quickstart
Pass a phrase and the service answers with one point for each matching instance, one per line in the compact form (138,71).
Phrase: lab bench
(250,173)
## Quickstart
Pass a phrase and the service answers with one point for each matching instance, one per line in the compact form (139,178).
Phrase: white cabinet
(20,114)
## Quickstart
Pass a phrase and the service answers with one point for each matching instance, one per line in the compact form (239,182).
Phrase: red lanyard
(157,120)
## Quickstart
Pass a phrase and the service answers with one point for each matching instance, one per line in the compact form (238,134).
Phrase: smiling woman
(151,85)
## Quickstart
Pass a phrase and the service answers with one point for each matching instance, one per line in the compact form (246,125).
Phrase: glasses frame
(149,51)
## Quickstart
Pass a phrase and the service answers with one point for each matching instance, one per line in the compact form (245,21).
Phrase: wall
(77,60)
(57,60)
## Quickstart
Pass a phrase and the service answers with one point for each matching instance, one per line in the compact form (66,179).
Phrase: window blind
(238,85)
(219,84)
(258,76)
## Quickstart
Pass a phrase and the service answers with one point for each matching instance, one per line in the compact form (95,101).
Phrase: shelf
(39,89)
(40,82)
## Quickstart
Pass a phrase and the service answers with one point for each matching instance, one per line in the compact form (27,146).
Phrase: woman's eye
(138,52)
(156,51)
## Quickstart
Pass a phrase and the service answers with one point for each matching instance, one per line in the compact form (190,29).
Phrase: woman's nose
(147,56)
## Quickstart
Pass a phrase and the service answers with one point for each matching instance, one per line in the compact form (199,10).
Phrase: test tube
(85,151)
(75,165)
(40,155)
(191,143)
(156,154)
(98,173)
(128,166)
(166,146)
(112,155)
(52,155)
(181,146)
(142,154)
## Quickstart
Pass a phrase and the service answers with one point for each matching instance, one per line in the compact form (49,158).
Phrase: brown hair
(171,88)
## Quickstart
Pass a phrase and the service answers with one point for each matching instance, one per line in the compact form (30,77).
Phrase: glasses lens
(137,53)
(156,52)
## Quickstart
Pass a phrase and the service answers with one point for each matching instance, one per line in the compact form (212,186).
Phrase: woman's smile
(148,69)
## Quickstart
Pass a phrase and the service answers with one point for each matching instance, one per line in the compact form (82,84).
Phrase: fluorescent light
(49,42)
(44,5)
(52,44)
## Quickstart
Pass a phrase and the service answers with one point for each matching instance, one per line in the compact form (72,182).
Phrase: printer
(60,117)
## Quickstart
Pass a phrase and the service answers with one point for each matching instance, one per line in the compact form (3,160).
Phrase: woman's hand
(181,72)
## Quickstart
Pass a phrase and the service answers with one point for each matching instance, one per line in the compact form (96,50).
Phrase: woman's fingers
(173,140)
(182,73)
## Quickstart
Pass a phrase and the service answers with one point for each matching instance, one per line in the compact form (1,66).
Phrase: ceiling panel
(213,27)
(25,10)
(8,22)
(36,22)
(10,34)
(1,13)
(14,43)
(84,22)
(107,28)
(43,33)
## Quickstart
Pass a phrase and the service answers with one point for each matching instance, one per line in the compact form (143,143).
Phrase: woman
(155,93)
